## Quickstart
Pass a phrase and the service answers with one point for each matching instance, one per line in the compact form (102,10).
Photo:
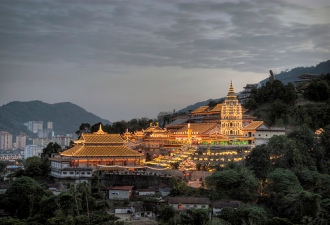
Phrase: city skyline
(130,59)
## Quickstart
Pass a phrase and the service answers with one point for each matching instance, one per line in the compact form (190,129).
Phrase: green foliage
(66,116)
(259,161)
(325,141)
(244,214)
(283,181)
(278,221)
(234,183)
(284,152)
(35,167)
(318,90)
(167,213)
(22,198)
(297,205)
(194,217)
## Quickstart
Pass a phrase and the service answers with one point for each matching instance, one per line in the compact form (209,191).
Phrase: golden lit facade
(94,151)
(231,115)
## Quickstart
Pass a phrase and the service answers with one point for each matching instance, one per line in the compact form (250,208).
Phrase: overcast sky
(133,59)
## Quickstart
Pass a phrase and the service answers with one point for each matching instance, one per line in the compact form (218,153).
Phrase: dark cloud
(108,38)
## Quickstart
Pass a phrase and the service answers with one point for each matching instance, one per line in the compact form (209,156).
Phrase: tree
(283,181)
(297,205)
(237,183)
(84,128)
(35,167)
(259,161)
(244,214)
(49,150)
(194,217)
(22,198)
(284,152)
(167,213)
(317,91)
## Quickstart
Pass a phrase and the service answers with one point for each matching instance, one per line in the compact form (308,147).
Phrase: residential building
(264,133)
(6,140)
(32,150)
(34,126)
(182,203)
(218,206)
(20,141)
(120,192)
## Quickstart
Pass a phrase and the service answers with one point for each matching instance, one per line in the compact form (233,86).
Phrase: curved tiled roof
(81,150)
(101,138)
(253,125)
(197,127)
(217,108)
(200,109)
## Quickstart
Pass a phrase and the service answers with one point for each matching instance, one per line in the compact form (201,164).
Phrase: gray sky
(133,59)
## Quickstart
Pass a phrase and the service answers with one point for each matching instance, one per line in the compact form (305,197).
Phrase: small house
(120,192)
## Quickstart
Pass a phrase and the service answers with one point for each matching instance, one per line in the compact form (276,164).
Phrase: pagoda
(231,115)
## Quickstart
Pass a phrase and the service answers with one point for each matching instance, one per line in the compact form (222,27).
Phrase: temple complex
(213,135)
(98,150)
(208,136)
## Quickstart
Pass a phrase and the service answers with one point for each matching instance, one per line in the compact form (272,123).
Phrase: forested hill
(66,117)
(292,75)
(285,77)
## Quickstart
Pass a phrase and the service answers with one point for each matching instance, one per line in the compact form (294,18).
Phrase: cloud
(101,41)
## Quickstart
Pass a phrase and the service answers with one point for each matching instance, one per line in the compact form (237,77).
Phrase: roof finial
(231,92)
(100,131)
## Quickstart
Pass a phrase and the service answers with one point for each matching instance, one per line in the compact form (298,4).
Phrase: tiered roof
(100,144)
(93,138)
(231,93)
(101,151)
(201,128)
(200,109)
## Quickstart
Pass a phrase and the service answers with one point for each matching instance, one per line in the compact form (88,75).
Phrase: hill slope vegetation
(66,117)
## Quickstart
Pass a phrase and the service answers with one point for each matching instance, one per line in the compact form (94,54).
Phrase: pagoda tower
(231,115)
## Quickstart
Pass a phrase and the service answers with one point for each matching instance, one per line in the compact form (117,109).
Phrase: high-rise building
(34,126)
(50,125)
(21,141)
(32,150)
(6,140)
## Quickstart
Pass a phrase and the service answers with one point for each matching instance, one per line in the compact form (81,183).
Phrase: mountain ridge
(66,116)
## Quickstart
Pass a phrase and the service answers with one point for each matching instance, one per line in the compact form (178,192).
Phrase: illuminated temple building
(98,150)
(225,123)
(219,134)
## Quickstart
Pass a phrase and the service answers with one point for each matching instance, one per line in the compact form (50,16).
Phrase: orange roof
(253,125)
(81,150)
(101,138)
(217,108)
(198,127)
(200,109)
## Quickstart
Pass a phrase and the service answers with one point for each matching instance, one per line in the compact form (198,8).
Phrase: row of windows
(77,173)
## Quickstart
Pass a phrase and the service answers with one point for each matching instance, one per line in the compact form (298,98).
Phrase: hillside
(66,117)
(198,104)
(285,77)
(292,75)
